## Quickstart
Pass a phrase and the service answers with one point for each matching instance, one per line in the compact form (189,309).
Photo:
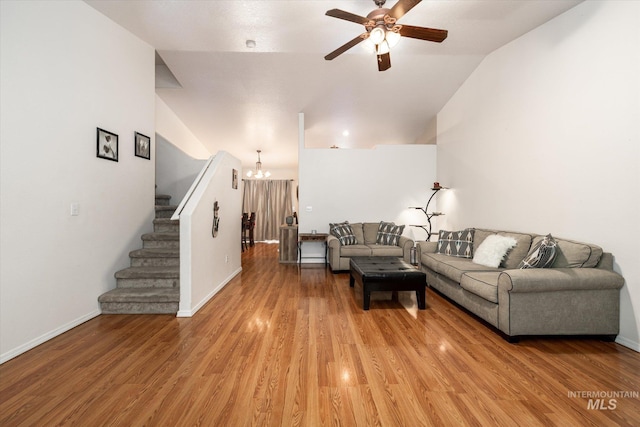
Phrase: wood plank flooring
(284,345)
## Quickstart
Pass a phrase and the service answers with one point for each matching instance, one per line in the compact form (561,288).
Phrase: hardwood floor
(283,345)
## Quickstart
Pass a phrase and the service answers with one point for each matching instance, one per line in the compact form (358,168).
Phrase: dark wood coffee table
(386,274)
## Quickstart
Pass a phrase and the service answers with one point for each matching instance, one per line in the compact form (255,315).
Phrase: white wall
(208,263)
(175,170)
(373,185)
(65,70)
(544,137)
(172,129)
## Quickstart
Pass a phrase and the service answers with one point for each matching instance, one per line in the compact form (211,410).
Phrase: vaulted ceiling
(241,99)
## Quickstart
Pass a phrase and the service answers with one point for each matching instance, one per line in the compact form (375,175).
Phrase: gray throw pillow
(343,232)
(389,233)
(541,255)
(456,243)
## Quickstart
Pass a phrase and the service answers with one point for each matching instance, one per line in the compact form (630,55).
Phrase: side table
(288,244)
(312,237)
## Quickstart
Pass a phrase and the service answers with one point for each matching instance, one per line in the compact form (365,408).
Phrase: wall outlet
(226,258)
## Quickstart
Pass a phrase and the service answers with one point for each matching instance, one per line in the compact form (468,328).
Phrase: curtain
(272,202)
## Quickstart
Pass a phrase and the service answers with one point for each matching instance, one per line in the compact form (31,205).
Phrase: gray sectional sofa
(579,294)
(366,244)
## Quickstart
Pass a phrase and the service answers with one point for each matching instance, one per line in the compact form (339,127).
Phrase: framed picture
(107,145)
(234,179)
(143,146)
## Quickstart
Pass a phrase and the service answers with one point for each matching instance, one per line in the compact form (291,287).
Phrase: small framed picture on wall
(234,179)
(142,146)
(107,145)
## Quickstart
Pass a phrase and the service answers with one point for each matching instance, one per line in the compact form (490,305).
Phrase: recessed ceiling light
(251,44)
(345,133)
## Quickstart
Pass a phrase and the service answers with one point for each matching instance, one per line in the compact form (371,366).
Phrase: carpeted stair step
(166,225)
(148,277)
(161,241)
(162,199)
(140,301)
(165,211)
(155,258)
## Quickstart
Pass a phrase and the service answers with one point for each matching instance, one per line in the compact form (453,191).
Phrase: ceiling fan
(382,31)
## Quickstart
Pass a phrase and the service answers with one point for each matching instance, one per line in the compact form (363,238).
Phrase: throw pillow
(343,232)
(389,233)
(493,249)
(456,243)
(541,255)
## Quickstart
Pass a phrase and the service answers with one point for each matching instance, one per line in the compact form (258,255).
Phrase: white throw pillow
(493,249)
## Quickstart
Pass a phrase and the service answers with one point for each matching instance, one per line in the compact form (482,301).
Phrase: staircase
(152,284)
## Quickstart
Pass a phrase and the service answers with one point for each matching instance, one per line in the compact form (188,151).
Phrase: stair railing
(192,189)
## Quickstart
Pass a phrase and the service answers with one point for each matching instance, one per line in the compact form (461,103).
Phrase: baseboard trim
(194,310)
(628,343)
(46,337)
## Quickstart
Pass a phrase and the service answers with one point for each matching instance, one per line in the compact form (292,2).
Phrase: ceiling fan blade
(422,33)
(403,6)
(384,62)
(347,16)
(345,47)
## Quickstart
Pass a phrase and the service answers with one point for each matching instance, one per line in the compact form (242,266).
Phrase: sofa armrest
(426,248)
(406,244)
(333,251)
(558,279)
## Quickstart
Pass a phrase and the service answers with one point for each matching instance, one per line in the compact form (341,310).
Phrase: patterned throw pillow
(389,233)
(456,243)
(343,232)
(541,255)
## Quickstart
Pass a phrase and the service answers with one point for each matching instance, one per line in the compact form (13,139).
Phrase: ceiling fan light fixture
(382,48)
(376,35)
(392,37)
(369,46)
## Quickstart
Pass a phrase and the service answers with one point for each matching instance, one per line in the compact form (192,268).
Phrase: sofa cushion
(456,243)
(355,250)
(575,254)
(358,232)
(343,232)
(389,233)
(370,230)
(386,250)
(542,253)
(515,255)
(452,267)
(483,284)
(493,250)
(479,235)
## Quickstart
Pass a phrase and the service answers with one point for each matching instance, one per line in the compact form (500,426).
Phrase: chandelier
(258,172)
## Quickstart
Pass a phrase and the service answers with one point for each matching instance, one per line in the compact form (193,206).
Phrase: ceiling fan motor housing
(378,15)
